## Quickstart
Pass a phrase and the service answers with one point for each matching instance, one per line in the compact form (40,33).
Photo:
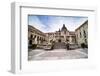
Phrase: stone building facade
(63,35)
(79,36)
(82,34)
(35,36)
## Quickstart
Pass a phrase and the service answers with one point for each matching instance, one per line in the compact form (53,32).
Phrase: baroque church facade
(62,35)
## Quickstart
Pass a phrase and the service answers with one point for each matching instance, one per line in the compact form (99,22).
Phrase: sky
(47,23)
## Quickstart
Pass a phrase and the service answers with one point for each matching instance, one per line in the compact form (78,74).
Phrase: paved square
(57,54)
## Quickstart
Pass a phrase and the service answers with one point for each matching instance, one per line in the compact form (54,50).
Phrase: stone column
(70,39)
(39,40)
(35,40)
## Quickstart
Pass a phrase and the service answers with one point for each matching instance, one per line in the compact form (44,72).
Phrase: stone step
(59,45)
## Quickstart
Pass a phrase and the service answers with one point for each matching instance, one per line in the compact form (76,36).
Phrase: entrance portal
(59,40)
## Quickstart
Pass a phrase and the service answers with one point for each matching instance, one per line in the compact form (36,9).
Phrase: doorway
(59,40)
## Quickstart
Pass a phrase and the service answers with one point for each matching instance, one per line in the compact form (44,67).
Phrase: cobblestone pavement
(57,54)
(85,50)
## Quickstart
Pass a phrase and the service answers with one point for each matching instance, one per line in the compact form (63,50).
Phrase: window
(85,40)
(84,34)
(31,36)
(80,35)
(64,32)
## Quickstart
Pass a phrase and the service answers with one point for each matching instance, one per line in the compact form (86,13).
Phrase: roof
(81,25)
(50,33)
(32,29)
(72,33)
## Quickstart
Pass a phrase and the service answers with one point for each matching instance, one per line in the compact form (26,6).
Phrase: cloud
(53,23)
(34,21)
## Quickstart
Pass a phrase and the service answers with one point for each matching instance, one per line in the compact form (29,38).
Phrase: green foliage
(83,45)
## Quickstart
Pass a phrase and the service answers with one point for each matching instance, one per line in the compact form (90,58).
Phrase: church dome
(64,28)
